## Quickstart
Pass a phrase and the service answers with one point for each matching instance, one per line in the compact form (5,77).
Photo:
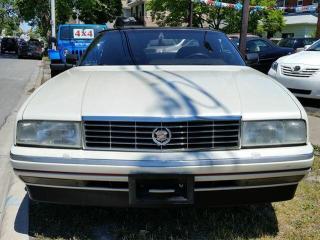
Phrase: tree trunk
(318,25)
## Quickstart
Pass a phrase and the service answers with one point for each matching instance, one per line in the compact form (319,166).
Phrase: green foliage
(8,19)
(175,13)
(37,12)
(98,11)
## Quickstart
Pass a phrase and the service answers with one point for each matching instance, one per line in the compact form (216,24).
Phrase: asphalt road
(14,76)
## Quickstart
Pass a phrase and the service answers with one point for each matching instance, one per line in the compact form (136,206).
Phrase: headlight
(65,52)
(274,133)
(49,134)
(274,66)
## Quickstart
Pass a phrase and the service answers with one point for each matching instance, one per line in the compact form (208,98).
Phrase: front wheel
(54,73)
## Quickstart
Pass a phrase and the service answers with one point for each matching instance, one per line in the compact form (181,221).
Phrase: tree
(98,11)
(37,12)
(175,13)
(8,18)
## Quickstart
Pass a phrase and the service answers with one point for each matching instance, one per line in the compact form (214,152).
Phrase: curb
(12,201)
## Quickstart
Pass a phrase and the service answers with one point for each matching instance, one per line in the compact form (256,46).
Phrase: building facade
(301,18)
(138,10)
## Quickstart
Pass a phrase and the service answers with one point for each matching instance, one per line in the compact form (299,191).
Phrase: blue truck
(72,41)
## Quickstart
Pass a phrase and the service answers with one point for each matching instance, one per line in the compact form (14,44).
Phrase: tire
(54,73)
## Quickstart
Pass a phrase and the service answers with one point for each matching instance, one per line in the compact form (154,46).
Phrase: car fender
(54,55)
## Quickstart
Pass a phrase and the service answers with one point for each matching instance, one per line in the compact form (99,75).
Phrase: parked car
(275,40)
(30,49)
(297,44)
(300,72)
(130,22)
(9,44)
(267,50)
(71,39)
(133,128)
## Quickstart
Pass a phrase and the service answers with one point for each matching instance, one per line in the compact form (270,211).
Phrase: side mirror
(252,58)
(72,59)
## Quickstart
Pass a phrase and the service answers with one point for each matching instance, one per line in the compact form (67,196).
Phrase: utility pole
(318,24)
(53,21)
(191,13)
(244,26)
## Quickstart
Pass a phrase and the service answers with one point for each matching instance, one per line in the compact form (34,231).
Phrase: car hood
(304,57)
(161,92)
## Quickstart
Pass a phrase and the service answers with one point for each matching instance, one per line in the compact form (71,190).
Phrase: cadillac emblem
(161,136)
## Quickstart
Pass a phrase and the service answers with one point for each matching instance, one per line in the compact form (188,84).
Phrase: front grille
(140,136)
(305,73)
(300,91)
(79,53)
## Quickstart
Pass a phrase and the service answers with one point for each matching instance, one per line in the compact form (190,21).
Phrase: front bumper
(300,87)
(244,176)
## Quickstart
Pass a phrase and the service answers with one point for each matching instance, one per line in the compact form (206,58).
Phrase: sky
(25,26)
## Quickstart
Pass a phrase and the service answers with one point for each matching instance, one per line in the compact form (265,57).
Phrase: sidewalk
(314,130)
(12,198)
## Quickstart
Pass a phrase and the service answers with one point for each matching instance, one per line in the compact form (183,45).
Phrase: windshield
(287,43)
(162,47)
(80,32)
(315,47)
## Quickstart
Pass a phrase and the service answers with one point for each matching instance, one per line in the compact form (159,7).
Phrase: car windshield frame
(142,41)
(315,47)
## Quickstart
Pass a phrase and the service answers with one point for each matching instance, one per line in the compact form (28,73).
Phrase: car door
(267,53)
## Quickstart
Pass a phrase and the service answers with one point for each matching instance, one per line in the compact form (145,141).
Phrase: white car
(132,128)
(300,72)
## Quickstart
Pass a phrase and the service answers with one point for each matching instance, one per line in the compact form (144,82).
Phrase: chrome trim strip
(195,190)
(214,178)
(197,178)
(72,176)
(159,163)
(157,119)
(81,188)
(243,187)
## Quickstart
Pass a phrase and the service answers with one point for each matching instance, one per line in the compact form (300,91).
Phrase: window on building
(300,3)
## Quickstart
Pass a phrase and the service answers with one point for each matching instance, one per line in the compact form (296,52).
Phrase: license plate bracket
(149,190)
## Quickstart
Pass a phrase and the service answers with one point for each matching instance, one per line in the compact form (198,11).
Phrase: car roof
(79,25)
(298,38)
(138,28)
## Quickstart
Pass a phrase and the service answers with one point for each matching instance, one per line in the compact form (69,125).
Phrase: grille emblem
(161,136)
(297,68)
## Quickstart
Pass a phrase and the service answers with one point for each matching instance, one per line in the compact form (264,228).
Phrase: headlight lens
(65,52)
(274,66)
(49,134)
(274,133)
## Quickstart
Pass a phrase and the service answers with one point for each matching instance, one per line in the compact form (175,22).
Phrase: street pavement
(18,78)
(16,83)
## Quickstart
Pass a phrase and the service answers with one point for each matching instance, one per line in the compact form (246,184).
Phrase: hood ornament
(161,136)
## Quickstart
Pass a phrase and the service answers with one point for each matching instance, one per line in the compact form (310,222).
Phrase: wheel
(54,73)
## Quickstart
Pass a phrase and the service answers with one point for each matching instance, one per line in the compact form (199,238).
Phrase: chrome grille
(138,136)
(305,73)
(79,53)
